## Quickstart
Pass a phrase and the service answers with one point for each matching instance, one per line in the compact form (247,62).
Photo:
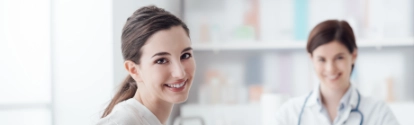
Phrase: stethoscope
(352,110)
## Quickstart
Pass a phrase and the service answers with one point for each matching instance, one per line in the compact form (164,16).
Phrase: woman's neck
(161,109)
(331,98)
(330,95)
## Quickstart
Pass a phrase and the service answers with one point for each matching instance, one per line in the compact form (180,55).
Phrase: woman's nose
(331,67)
(178,71)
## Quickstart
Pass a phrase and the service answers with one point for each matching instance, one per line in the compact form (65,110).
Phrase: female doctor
(157,51)
(335,101)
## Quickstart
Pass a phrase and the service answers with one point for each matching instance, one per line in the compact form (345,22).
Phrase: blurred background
(61,59)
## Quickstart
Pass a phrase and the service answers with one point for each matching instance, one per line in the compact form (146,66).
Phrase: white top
(374,112)
(130,112)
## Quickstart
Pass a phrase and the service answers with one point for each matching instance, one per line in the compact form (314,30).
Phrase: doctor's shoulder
(122,114)
(377,110)
(290,109)
(373,104)
(293,105)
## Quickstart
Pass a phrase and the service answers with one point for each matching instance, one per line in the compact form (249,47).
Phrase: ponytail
(126,91)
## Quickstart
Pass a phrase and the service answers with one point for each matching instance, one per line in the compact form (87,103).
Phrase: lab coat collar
(349,98)
(313,99)
(353,99)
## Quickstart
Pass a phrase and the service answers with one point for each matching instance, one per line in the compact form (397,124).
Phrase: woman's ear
(133,70)
(354,56)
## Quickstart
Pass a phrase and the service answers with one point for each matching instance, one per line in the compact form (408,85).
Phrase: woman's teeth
(176,85)
(332,77)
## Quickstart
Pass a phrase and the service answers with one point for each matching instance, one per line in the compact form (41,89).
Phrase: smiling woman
(158,56)
(333,51)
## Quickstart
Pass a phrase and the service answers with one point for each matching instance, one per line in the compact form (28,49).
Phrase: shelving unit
(292,45)
(251,45)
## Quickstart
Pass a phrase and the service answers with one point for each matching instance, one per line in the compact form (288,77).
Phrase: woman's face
(333,64)
(167,66)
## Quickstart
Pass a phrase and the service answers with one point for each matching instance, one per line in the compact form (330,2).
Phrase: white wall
(82,59)
(24,52)
(25,87)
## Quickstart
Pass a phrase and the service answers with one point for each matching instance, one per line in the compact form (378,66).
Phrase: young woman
(157,51)
(335,101)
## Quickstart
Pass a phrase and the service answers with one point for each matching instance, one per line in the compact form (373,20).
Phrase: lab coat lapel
(344,116)
(348,118)
(315,116)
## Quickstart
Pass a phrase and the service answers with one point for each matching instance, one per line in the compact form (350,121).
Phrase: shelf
(386,43)
(294,45)
(254,45)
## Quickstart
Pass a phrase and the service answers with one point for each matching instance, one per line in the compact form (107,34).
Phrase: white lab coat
(130,112)
(375,112)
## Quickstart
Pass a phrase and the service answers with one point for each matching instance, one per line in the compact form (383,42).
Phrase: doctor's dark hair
(329,31)
(143,23)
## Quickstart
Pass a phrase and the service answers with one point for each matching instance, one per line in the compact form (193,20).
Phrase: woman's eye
(321,60)
(161,61)
(185,56)
(340,58)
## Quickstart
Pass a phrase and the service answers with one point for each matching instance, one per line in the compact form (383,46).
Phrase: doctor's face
(166,66)
(333,64)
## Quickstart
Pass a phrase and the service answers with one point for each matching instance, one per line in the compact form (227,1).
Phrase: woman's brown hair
(329,31)
(143,23)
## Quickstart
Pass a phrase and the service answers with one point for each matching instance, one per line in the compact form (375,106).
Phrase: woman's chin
(177,99)
(336,85)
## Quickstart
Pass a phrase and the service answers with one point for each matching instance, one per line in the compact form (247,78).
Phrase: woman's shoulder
(122,114)
(296,101)
(373,103)
(290,109)
(293,105)
(378,110)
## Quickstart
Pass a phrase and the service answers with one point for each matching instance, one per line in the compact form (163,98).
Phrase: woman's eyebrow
(166,53)
(187,49)
(161,54)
